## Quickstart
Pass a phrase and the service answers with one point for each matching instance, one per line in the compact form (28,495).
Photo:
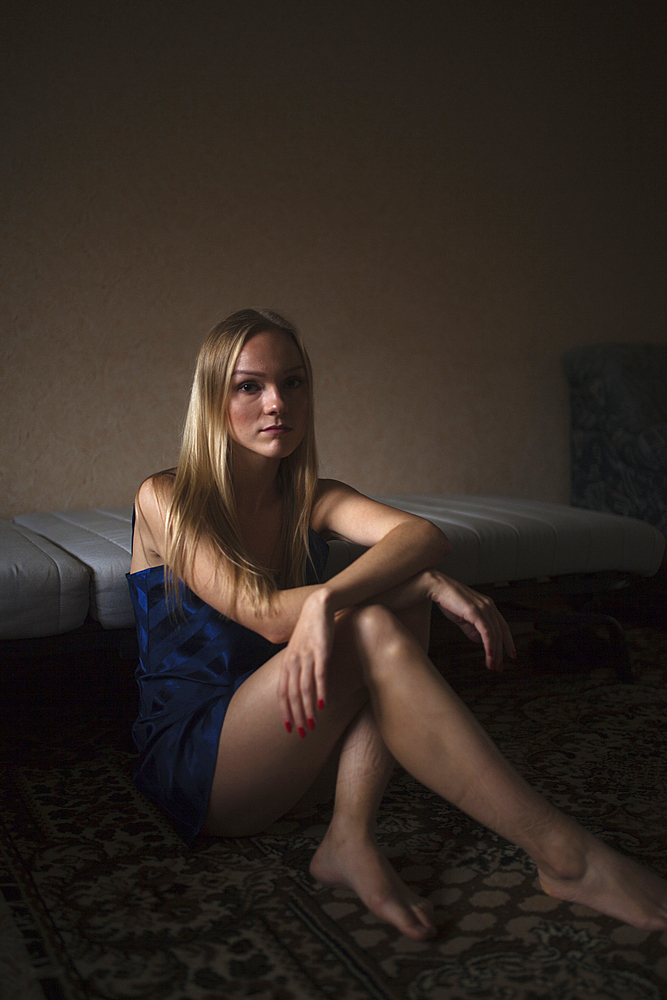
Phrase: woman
(236,728)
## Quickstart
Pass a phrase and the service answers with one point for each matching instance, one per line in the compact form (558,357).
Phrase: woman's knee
(379,631)
(369,640)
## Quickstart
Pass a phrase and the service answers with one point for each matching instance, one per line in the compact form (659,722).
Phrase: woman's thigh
(262,771)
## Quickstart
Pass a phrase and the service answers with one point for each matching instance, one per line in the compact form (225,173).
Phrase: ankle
(562,855)
(351,828)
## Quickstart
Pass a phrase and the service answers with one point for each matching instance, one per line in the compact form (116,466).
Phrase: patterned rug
(100,898)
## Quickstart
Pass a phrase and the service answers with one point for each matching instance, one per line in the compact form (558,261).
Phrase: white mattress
(101,540)
(494,540)
(497,539)
(43,590)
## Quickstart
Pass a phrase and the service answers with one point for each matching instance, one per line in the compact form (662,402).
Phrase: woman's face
(268,396)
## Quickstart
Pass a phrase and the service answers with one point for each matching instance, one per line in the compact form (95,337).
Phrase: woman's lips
(277,430)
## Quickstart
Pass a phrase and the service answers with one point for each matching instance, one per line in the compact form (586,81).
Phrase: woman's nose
(274,401)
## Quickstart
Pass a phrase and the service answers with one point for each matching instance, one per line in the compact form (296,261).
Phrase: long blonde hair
(203,505)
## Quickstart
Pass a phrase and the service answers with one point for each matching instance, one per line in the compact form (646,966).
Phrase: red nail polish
(288,725)
(320,704)
(302,732)
(311,723)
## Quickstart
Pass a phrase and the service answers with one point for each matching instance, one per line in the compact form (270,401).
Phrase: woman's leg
(348,855)
(367,744)
(262,772)
(434,737)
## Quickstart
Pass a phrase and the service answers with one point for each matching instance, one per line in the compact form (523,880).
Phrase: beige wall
(443,203)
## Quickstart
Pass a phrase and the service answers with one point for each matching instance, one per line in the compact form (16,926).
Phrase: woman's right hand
(302,680)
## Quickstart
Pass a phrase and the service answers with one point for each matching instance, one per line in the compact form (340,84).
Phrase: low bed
(58,569)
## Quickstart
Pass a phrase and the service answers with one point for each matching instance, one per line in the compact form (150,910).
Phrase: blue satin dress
(190,665)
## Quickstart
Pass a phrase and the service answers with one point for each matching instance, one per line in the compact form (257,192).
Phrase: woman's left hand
(476,615)
(302,680)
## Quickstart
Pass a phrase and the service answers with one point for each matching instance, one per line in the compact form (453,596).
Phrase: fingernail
(302,732)
(311,723)
(320,704)
(288,725)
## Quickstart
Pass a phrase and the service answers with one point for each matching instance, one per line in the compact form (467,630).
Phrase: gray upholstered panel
(43,590)
(618,435)
(101,540)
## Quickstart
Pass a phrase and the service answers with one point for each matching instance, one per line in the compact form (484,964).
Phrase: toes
(422,928)
(424,912)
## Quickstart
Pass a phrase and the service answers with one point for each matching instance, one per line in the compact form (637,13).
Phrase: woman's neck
(255,483)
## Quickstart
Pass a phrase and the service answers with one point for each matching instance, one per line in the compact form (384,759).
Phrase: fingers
(298,713)
(301,692)
(300,700)
(489,634)
(496,636)
(479,618)
(508,641)
(308,699)
(283,700)
(321,686)
(484,618)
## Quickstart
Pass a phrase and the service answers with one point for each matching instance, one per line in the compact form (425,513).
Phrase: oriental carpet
(101,899)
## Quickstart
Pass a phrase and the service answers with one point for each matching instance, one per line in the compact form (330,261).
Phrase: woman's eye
(294,382)
(248,387)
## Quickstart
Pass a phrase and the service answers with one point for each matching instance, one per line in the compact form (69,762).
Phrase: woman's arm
(474,613)
(402,562)
(396,571)
(400,546)
(207,576)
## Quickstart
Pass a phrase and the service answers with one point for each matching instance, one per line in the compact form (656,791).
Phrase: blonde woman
(258,680)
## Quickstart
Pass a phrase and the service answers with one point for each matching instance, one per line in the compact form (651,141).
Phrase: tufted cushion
(101,540)
(497,539)
(494,540)
(43,590)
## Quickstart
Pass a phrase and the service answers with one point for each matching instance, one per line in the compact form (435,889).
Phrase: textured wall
(443,202)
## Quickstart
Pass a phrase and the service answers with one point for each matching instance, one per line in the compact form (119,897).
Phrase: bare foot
(356,863)
(613,885)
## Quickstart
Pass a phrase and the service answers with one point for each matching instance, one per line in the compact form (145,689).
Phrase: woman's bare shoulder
(156,490)
(329,492)
(150,506)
